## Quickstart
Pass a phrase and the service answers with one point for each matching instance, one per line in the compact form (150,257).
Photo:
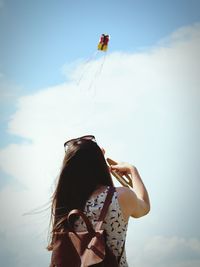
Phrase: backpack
(82,249)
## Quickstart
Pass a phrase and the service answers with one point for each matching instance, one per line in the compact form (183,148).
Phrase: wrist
(133,169)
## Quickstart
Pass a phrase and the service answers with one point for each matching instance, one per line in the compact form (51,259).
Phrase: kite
(102,46)
(103,42)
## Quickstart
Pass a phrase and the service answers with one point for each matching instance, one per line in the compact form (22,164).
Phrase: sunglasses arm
(124,180)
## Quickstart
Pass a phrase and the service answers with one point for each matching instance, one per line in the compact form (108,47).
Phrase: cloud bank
(143,108)
(171,251)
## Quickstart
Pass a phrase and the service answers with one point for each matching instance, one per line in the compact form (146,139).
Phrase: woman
(83,184)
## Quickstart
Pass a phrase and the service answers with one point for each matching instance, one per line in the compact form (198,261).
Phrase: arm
(136,201)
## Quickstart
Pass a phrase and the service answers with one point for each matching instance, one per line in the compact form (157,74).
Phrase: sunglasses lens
(86,137)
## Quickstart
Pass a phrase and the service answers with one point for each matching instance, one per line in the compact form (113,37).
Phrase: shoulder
(126,200)
(124,193)
(130,204)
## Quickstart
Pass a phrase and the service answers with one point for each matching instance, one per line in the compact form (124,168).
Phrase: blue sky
(142,106)
(39,37)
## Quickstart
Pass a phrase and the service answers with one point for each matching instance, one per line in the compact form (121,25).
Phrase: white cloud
(172,251)
(182,35)
(142,107)
(8,92)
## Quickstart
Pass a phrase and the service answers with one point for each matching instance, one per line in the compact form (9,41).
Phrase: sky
(140,100)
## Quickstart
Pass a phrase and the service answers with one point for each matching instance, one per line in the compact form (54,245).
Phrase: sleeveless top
(114,223)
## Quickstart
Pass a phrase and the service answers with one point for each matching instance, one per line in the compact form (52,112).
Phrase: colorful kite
(103,42)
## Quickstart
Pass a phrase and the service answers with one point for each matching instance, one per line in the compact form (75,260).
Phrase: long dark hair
(84,169)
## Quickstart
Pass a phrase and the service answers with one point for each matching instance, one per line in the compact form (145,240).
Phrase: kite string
(97,73)
(94,84)
(102,64)
(86,66)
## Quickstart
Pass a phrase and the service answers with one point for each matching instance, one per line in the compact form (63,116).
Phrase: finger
(115,167)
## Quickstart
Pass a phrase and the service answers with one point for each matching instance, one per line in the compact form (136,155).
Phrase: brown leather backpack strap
(106,205)
(102,216)
(67,218)
(84,218)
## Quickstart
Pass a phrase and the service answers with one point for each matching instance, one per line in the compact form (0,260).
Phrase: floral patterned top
(114,223)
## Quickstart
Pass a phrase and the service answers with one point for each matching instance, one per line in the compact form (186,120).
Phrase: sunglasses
(85,137)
